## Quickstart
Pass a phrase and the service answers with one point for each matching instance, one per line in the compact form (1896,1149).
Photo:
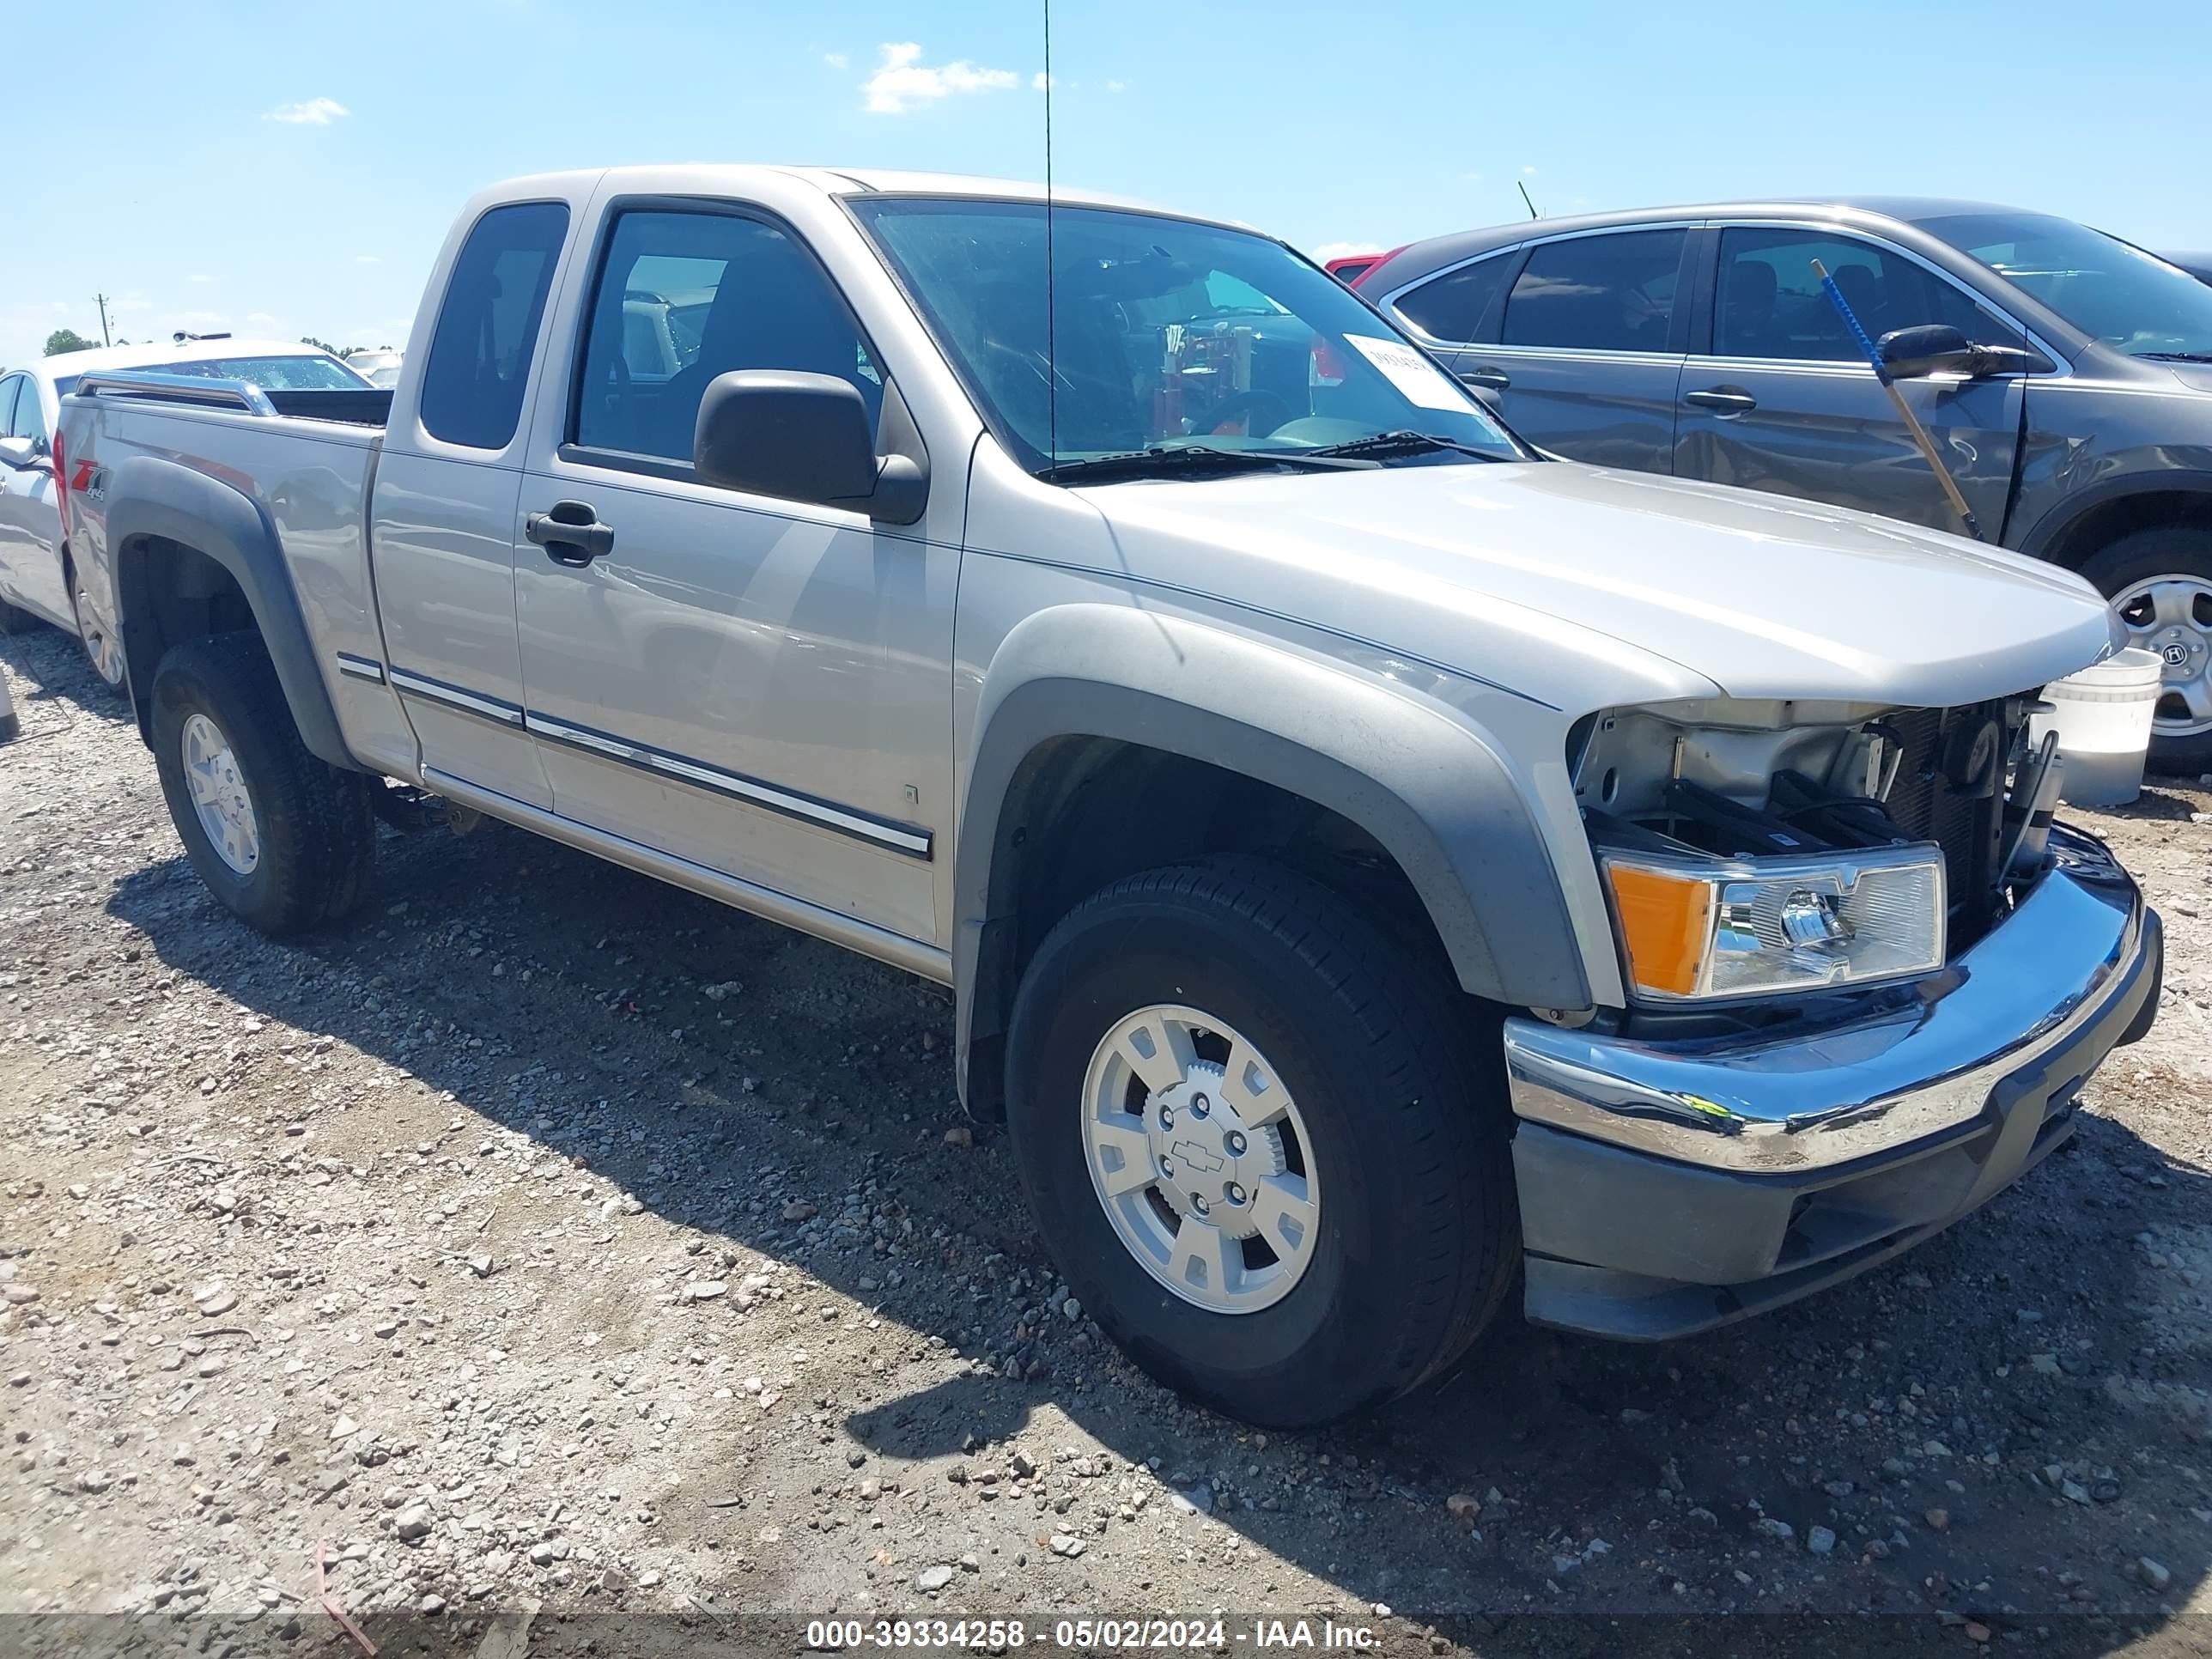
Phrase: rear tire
(297,837)
(2160,580)
(1401,1141)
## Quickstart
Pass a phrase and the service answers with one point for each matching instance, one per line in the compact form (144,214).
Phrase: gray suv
(1697,342)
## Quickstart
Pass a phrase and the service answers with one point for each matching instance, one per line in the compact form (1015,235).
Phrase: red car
(1349,269)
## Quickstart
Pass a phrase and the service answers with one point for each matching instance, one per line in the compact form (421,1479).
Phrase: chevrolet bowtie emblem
(1196,1156)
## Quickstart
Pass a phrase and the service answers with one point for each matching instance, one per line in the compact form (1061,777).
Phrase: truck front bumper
(1670,1187)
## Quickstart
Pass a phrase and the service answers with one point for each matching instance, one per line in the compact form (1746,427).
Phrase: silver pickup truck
(1377,867)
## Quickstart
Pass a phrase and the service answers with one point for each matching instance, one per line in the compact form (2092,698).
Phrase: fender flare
(1431,790)
(2053,526)
(148,498)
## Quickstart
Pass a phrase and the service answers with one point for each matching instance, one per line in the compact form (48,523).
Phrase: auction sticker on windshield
(1421,380)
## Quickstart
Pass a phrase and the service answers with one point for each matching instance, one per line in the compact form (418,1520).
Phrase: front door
(758,686)
(1785,401)
(1589,352)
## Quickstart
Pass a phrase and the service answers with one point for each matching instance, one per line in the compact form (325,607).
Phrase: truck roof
(715,178)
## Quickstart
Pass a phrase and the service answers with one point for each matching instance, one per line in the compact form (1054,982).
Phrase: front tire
(1230,1047)
(285,840)
(2160,581)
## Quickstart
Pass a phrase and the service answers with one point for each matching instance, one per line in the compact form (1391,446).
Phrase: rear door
(1588,353)
(30,524)
(443,510)
(1778,397)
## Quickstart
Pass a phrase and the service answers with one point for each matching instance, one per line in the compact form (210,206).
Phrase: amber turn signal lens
(1665,921)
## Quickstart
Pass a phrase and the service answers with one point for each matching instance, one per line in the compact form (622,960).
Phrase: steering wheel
(1254,406)
(1020,370)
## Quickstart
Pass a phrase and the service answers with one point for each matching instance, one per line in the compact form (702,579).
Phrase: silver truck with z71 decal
(1377,867)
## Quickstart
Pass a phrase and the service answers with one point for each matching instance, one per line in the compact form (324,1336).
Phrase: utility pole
(104,338)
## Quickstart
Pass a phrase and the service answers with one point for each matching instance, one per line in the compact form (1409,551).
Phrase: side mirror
(1913,353)
(21,453)
(1489,397)
(803,437)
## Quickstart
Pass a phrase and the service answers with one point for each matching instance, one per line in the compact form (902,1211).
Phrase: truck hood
(1760,596)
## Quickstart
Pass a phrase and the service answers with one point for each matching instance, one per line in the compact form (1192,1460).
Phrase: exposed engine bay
(1742,779)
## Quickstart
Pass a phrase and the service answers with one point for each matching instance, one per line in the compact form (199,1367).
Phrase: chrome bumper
(1925,1065)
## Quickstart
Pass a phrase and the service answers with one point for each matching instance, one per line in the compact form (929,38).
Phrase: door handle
(1723,398)
(570,532)
(1496,380)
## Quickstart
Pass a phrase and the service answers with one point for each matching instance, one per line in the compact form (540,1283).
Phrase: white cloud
(1529,171)
(315,112)
(1040,81)
(366,259)
(836,60)
(1328,250)
(1117,85)
(903,81)
(199,276)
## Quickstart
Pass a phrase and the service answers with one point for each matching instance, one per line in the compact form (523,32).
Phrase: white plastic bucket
(2103,718)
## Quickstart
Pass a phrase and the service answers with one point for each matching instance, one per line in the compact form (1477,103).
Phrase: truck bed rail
(369,406)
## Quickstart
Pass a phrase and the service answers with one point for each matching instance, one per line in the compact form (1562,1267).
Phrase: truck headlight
(1706,928)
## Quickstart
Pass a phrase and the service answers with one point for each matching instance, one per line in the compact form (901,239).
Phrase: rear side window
(1452,307)
(487,332)
(1598,293)
(685,297)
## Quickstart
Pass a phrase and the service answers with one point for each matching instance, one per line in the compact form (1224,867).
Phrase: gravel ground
(550,1243)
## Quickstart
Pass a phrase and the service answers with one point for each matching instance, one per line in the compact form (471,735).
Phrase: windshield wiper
(1165,458)
(2179,357)
(1404,442)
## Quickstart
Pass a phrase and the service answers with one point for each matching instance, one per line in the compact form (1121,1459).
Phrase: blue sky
(290,169)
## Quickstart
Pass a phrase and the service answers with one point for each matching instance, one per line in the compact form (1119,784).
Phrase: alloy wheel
(2170,616)
(104,653)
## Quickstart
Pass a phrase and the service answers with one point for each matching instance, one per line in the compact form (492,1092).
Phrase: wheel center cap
(1209,1163)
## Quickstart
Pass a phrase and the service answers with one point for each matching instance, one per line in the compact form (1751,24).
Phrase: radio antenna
(1531,205)
(1051,317)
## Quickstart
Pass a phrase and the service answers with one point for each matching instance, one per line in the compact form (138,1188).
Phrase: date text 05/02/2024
(1087,1635)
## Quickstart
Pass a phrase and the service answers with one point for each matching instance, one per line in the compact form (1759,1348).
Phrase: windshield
(311,372)
(2129,300)
(1171,337)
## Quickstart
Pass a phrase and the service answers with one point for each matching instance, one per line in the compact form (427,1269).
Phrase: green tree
(67,339)
(321,345)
